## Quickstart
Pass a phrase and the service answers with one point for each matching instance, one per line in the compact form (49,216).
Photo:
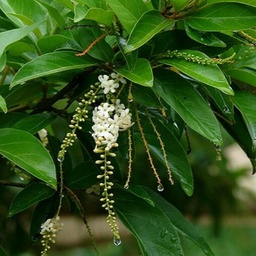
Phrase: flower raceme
(110,118)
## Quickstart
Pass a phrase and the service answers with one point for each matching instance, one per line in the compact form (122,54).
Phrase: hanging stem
(162,147)
(160,185)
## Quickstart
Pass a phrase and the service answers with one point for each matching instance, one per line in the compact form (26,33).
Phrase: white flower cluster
(108,120)
(49,230)
(110,84)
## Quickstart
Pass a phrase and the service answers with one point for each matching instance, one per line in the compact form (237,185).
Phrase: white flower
(51,226)
(110,85)
(118,78)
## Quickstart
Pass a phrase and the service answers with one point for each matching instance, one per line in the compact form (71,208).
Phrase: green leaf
(50,63)
(28,153)
(176,157)
(56,42)
(206,38)
(248,2)
(33,193)
(222,101)
(223,17)
(179,4)
(151,23)
(82,176)
(11,36)
(34,123)
(146,97)
(53,13)
(245,57)
(97,14)
(141,73)
(10,118)
(151,227)
(20,12)
(3,104)
(245,102)
(127,11)
(246,75)
(207,74)
(181,224)
(188,103)
(102,50)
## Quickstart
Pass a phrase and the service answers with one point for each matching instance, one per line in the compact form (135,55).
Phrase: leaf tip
(129,48)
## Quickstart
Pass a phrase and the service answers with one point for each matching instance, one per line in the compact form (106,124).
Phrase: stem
(12,184)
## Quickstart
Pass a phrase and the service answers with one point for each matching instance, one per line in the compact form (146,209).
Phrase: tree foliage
(150,70)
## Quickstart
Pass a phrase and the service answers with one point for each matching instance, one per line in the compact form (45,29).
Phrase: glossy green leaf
(34,123)
(207,74)
(158,4)
(99,15)
(182,225)
(56,42)
(50,63)
(245,57)
(151,23)
(145,96)
(127,11)
(222,101)
(100,51)
(151,227)
(28,153)
(206,38)
(140,74)
(245,75)
(33,193)
(3,104)
(176,157)
(179,4)
(11,36)
(248,2)
(54,13)
(188,103)
(22,12)
(245,102)
(223,17)
(10,118)
(82,176)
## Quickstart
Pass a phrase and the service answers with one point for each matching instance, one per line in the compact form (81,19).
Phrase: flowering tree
(86,83)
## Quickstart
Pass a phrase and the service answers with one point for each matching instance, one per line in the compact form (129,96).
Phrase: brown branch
(12,184)
(45,105)
(91,45)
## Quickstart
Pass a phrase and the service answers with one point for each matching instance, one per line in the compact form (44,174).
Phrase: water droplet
(164,233)
(175,125)
(60,159)
(117,241)
(226,110)
(130,99)
(174,238)
(160,188)
(202,39)
(22,178)
(126,186)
